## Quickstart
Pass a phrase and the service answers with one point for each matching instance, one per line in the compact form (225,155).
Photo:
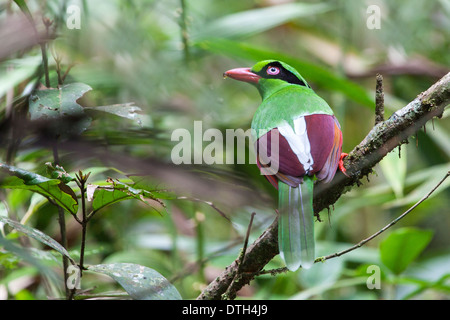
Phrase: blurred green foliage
(156,66)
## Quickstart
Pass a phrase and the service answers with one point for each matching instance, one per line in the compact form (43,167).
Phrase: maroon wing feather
(289,168)
(325,139)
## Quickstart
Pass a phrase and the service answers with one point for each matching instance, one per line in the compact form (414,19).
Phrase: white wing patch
(297,138)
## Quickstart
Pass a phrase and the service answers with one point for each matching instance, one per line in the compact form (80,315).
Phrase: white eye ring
(273,71)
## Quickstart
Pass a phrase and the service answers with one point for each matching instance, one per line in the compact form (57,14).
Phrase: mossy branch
(383,138)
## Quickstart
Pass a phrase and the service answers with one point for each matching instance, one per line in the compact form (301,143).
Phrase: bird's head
(268,76)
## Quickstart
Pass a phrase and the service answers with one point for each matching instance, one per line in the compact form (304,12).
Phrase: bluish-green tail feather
(296,224)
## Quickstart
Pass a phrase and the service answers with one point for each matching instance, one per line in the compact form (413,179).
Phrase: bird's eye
(273,71)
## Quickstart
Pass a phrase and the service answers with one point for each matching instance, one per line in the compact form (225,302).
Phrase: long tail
(296,224)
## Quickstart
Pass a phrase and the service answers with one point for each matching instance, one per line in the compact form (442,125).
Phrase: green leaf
(62,194)
(8,260)
(243,24)
(323,274)
(155,189)
(140,282)
(22,70)
(23,6)
(402,246)
(27,255)
(394,169)
(423,181)
(58,104)
(37,235)
(58,172)
(311,72)
(102,196)
(126,110)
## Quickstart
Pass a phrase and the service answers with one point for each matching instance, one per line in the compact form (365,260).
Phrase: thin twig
(379,100)
(43,43)
(58,72)
(363,242)
(244,250)
(55,152)
(231,291)
(81,182)
(184,31)
(67,72)
(193,266)
(209,203)
(62,227)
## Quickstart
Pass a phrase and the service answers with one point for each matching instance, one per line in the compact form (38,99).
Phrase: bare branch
(382,139)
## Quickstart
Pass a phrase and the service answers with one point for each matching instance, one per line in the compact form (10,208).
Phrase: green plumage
(296,224)
(269,115)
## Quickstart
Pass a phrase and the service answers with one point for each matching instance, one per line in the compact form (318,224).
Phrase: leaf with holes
(140,282)
(105,195)
(18,178)
(60,108)
(156,189)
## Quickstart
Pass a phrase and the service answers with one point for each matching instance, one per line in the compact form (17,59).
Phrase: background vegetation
(156,66)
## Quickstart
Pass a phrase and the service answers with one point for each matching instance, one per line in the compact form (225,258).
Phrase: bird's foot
(341,163)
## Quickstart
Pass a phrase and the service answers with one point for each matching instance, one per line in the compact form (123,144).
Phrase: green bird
(297,140)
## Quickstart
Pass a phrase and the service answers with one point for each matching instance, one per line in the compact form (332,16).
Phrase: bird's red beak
(242,74)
